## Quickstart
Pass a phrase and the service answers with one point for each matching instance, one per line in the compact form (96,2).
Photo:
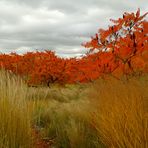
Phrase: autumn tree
(123,47)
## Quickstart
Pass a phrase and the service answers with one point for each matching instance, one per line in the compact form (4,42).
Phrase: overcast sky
(59,25)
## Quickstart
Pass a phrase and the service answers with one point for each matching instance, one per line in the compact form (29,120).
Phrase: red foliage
(121,49)
(122,45)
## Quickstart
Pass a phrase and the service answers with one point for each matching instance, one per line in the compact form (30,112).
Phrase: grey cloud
(62,25)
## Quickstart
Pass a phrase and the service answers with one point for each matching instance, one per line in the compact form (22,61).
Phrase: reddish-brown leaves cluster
(122,49)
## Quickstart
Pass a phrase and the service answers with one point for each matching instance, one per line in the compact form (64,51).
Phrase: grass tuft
(15,131)
(121,115)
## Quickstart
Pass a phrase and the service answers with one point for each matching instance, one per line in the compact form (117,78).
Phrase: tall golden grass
(111,112)
(15,126)
(106,113)
(65,124)
(121,112)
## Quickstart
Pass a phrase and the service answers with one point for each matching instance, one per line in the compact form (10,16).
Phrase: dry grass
(121,115)
(15,126)
(111,112)
(118,109)
(62,117)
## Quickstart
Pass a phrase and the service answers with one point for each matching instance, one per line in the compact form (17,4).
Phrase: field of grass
(103,114)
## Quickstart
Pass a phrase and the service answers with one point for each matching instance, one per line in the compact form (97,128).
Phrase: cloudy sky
(59,25)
